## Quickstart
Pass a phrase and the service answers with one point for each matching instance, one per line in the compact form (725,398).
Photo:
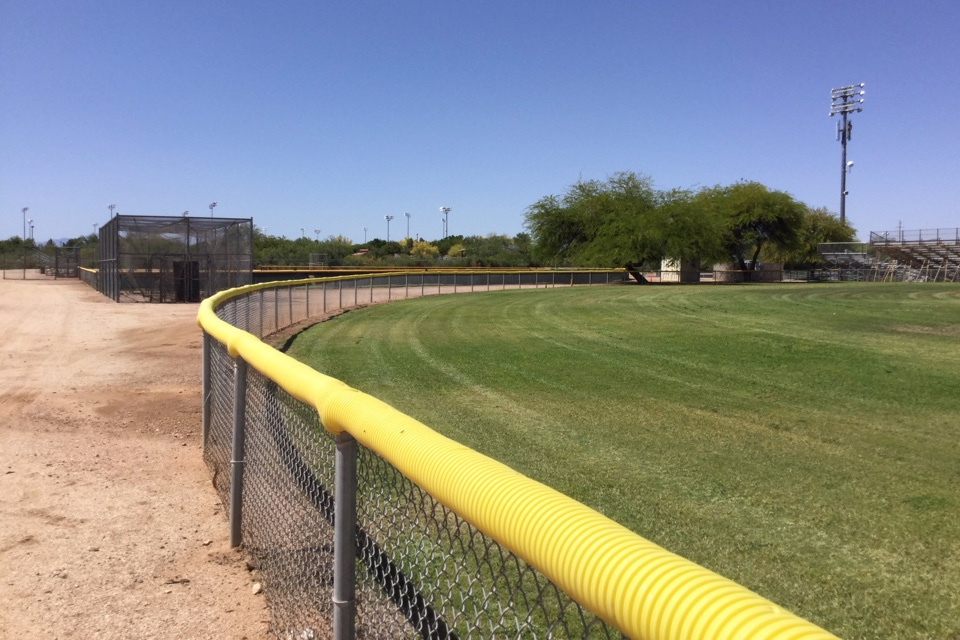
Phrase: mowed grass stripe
(799,439)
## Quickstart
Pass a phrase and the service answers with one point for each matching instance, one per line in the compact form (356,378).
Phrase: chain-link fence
(364,523)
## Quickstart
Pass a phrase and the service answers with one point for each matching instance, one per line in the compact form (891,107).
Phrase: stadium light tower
(408,223)
(111,207)
(212,205)
(364,235)
(388,219)
(24,212)
(317,231)
(302,230)
(446,224)
(844,101)
(30,222)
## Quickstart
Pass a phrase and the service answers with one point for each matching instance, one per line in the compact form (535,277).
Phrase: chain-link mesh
(422,571)
(425,572)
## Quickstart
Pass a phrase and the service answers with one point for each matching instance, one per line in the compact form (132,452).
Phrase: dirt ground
(109,525)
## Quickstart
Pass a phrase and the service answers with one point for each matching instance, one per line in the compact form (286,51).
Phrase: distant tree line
(625,221)
(455,251)
(621,222)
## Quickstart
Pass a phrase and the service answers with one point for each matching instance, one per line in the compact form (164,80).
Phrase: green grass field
(802,440)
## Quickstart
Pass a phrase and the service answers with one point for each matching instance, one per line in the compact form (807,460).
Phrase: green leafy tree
(754,217)
(818,226)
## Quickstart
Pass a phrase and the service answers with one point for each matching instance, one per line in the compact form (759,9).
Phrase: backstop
(174,259)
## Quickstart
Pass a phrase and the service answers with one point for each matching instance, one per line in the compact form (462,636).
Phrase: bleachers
(936,252)
(926,255)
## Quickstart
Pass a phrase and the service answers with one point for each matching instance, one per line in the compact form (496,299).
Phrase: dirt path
(109,525)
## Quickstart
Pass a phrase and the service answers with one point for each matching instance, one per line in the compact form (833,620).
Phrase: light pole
(30,222)
(388,219)
(446,227)
(408,223)
(317,231)
(212,205)
(24,212)
(301,232)
(843,101)
(95,225)
(186,213)
(364,235)
(111,207)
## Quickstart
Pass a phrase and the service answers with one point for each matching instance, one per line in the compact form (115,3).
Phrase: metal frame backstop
(174,259)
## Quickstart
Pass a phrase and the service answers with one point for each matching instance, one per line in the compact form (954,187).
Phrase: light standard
(446,228)
(30,222)
(843,101)
(301,232)
(212,205)
(95,225)
(24,212)
(364,235)
(388,219)
(408,224)
(111,207)
(317,231)
(186,213)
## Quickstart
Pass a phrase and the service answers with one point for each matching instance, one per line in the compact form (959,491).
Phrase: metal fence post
(345,538)
(237,461)
(206,397)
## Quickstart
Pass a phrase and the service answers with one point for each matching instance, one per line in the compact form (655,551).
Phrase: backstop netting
(174,259)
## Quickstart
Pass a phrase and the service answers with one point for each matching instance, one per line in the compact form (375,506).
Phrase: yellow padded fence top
(634,585)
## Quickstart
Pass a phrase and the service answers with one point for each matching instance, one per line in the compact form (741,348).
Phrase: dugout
(174,259)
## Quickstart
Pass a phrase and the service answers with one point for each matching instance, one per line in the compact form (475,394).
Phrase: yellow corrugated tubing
(634,585)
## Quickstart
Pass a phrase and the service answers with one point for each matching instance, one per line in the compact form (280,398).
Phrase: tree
(622,222)
(753,217)
(818,226)
(424,250)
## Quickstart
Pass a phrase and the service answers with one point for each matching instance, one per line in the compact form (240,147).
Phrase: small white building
(672,270)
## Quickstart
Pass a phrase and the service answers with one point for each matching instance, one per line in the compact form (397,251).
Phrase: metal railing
(901,236)
(366,523)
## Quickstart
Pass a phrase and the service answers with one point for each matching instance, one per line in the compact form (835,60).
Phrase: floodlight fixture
(388,219)
(111,207)
(843,102)
(212,205)
(24,212)
(185,214)
(446,224)
(407,215)
(364,235)
(317,231)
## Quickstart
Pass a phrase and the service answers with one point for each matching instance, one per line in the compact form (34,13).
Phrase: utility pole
(844,101)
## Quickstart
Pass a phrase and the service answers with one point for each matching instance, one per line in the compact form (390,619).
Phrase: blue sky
(330,115)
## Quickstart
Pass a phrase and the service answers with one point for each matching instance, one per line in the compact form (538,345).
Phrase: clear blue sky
(329,115)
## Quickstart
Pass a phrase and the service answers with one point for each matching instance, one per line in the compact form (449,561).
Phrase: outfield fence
(364,523)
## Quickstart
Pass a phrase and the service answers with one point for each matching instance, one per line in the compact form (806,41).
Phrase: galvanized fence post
(206,397)
(237,459)
(345,538)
